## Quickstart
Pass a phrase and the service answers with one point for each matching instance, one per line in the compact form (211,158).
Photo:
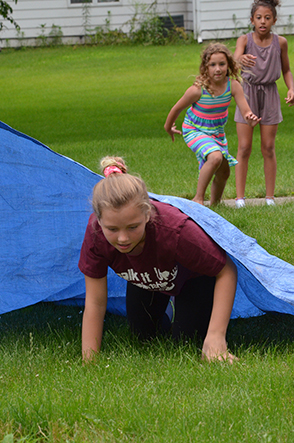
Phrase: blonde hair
(202,80)
(119,189)
(112,161)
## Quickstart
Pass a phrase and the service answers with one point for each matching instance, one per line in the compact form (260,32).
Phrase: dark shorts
(193,306)
(264,101)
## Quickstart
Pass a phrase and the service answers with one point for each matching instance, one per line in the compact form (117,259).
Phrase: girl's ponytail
(118,188)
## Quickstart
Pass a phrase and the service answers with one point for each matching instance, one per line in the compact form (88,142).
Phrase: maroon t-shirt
(175,249)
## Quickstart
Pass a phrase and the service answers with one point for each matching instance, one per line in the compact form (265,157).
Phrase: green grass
(272,227)
(86,102)
(154,392)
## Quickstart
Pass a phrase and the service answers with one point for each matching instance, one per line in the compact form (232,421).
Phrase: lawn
(87,102)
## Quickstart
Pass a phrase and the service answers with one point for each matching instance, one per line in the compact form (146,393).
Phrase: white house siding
(37,16)
(215,18)
(209,19)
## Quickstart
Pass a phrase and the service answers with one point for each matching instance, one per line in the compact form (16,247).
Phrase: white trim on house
(207,19)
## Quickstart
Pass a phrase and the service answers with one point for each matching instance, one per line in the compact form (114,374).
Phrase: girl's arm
(93,318)
(192,95)
(238,94)
(246,60)
(287,74)
(215,345)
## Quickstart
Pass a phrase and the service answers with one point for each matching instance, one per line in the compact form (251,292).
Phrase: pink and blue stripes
(203,126)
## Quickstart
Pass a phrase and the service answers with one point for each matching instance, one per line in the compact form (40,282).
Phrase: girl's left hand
(215,349)
(290,97)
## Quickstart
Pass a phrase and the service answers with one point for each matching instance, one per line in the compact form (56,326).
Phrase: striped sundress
(203,126)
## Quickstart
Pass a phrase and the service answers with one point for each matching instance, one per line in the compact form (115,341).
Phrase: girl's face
(218,67)
(124,228)
(263,20)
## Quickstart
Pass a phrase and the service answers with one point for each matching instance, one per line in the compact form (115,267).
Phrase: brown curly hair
(202,80)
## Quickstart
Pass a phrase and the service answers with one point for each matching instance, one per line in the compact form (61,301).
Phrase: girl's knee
(268,151)
(215,158)
(244,151)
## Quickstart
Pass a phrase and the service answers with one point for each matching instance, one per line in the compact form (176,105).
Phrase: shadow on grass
(54,322)
(263,332)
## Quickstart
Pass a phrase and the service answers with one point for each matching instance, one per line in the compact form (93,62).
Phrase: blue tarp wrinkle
(44,209)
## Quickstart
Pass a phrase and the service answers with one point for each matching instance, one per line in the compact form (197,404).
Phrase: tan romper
(259,85)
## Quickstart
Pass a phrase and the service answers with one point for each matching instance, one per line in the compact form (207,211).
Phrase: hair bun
(110,165)
(272,3)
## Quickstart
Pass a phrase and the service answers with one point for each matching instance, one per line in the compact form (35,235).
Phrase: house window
(93,2)
(80,1)
(172,20)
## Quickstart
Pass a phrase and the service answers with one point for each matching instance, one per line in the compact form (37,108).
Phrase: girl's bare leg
(245,134)
(207,171)
(219,182)
(268,135)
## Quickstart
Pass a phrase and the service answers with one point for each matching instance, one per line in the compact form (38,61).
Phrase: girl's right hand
(248,60)
(93,317)
(172,131)
(251,119)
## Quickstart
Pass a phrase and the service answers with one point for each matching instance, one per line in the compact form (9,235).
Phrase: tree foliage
(6,12)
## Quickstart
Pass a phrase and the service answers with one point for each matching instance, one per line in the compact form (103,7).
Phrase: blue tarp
(44,209)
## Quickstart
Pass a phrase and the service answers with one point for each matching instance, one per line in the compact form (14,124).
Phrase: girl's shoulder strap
(229,86)
(276,42)
(203,92)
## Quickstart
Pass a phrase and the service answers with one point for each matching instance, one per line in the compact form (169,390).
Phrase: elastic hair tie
(111,169)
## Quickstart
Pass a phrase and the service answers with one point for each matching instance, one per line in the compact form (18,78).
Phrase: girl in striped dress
(208,100)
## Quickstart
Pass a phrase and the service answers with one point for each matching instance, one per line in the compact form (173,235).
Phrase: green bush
(146,27)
